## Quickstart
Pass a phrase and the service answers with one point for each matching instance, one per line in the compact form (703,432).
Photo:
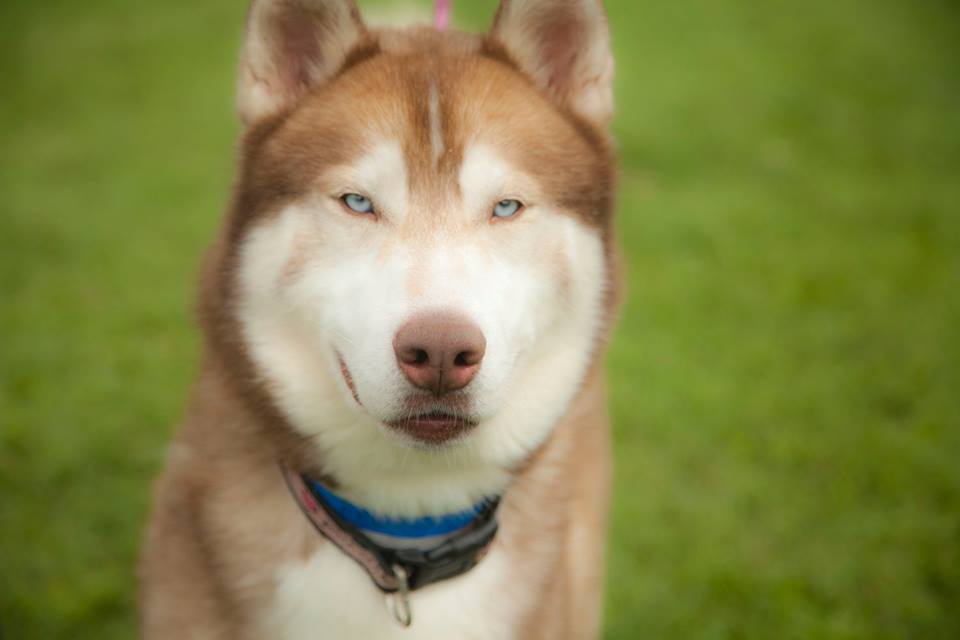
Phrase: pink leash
(441,14)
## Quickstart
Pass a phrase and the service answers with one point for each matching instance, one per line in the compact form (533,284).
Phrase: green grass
(785,380)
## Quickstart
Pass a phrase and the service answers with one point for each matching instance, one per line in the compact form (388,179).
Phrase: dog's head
(417,259)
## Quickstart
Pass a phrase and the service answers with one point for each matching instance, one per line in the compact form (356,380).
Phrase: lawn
(785,378)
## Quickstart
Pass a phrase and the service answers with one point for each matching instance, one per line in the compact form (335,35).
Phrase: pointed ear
(564,45)
(291,47)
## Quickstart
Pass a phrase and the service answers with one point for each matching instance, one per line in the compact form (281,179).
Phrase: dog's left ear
(291,47)
(564,45)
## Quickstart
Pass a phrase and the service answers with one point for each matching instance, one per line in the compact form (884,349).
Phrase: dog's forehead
(437,107)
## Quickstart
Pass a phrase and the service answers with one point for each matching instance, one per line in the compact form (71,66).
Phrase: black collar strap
(397,570)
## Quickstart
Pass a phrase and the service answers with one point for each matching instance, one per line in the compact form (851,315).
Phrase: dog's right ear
(291,47)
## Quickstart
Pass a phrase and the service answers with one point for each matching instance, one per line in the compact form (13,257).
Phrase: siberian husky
(399,427)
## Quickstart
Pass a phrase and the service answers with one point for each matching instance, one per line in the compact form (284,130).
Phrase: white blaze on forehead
(436,126)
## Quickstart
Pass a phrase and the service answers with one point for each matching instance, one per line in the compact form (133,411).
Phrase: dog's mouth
(427,419)
(435,421)
(434,427)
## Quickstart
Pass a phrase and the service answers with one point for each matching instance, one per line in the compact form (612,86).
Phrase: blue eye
(358,203)
(506,208)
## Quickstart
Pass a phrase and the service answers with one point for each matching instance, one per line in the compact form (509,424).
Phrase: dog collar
(399,555)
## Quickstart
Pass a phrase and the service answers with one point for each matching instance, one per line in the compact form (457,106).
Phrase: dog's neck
(434,490)
(425,493)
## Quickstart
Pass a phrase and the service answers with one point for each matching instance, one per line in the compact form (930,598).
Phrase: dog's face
(421,261)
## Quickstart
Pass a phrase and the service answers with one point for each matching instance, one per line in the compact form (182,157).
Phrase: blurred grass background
(785,379)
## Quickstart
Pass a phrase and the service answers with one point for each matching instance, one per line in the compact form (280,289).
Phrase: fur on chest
(327,595)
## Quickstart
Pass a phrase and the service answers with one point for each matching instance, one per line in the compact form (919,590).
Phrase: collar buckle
(452,558)
(398,602)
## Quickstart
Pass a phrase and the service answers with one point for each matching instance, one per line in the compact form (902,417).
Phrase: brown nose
(439,352)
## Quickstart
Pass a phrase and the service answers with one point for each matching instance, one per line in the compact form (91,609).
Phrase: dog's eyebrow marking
(436,127)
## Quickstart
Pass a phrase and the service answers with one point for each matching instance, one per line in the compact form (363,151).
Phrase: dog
(399,427)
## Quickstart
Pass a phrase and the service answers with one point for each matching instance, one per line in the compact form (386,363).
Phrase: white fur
(312,602)
(357,282)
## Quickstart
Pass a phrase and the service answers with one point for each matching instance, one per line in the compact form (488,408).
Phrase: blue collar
(364,520)
(430,549)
